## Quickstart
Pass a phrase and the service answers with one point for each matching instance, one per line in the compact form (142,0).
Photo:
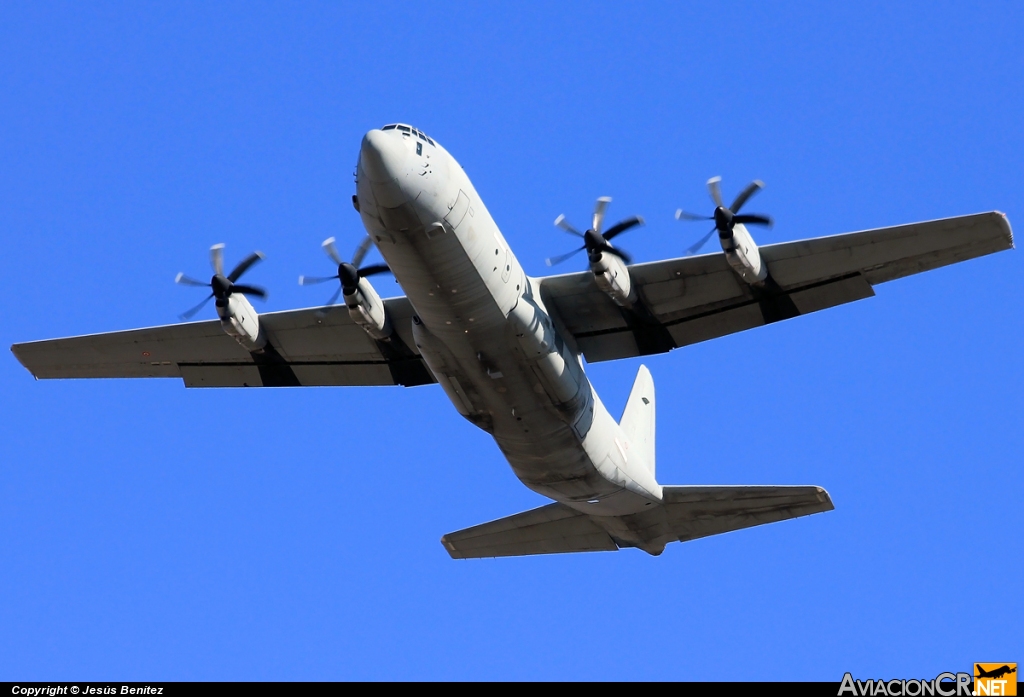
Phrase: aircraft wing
(304,348)
(694,299)
(685,513)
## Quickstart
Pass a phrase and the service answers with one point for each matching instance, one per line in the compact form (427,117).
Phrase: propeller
(222,286)
(726,218)
(349,273)
(594,241)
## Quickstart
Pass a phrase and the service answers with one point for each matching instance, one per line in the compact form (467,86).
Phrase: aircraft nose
(382,156)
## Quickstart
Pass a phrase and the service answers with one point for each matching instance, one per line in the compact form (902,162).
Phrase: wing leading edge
(304,348)
(693,299)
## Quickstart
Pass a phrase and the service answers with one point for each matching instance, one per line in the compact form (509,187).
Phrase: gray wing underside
(686,513)
(693,299)
(306,348)
(692,512)
(550,529)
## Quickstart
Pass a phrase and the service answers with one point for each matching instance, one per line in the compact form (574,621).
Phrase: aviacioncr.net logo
(943,685)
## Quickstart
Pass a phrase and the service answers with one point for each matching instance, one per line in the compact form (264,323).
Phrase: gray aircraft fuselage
(485,333)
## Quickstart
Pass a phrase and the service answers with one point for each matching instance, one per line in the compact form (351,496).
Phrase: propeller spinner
(726,218)
(349,273)
(221,286)
(594,241)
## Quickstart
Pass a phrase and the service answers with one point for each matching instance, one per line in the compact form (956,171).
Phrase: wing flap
(550,529)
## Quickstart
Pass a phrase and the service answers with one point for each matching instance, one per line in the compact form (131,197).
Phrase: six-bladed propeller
(594,241)
(222,286)
(726,218)
(349,273)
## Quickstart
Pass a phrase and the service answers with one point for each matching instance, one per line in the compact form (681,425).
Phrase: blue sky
(149,532)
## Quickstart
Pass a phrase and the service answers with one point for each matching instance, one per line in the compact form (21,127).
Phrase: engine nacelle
(368,311)
(612,276)
(559,372)
(240,320)
(743,255)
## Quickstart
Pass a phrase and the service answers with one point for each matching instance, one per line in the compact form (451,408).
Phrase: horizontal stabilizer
(550,529)
(699,511)
(685,513)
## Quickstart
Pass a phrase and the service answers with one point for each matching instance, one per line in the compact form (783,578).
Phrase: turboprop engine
(607,263)
(237,315)
(740,249)
(363,303)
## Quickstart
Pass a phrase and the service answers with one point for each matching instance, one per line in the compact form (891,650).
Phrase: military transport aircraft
(507,348)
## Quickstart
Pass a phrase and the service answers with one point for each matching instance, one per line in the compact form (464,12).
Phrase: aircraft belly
(463,282)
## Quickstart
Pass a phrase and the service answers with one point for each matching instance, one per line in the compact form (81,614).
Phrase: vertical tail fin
(637,420)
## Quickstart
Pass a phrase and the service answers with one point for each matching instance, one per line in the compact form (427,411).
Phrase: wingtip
(449,547)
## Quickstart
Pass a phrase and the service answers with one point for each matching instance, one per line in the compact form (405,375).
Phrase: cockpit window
(410,131)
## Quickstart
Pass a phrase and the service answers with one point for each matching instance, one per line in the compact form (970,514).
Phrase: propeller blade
(217,258)
(599,208)
(361,251)
(373,270)
(558,260)
(700,243)
(190,313)
(329,305)
(313,280)
(753,220)
(683,215)
(331,251)
(189,281)
(623,225)
(249,290)
(617,252)
(715,190)
(561,222)
(244,266)
(752,188)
